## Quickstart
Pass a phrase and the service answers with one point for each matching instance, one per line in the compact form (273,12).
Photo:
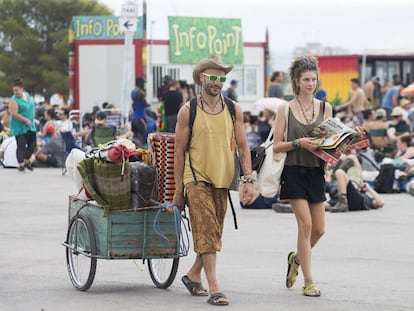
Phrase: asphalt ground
(363,262)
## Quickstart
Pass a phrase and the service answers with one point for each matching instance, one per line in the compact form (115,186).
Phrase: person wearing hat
(100,118)
(398,123)
(231,91)
(206,178)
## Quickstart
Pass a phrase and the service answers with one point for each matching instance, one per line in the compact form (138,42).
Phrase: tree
(34,42)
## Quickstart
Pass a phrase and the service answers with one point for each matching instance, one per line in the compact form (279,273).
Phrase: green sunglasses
(215,77)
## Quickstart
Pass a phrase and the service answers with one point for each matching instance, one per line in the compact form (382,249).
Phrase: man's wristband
(247,179)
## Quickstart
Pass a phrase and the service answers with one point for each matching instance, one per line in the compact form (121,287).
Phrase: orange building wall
(335,75)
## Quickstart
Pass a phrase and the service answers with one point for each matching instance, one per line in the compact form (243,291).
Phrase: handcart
(154,233)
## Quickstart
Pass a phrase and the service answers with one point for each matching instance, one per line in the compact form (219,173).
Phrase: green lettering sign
(193,38)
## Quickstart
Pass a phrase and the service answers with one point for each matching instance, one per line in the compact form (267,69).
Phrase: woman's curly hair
(299,66)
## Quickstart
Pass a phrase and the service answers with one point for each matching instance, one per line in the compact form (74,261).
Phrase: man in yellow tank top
(204,169)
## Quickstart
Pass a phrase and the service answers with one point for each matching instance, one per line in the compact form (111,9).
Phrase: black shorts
(299,182)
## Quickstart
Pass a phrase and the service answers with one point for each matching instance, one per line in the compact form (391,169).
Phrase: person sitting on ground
(64,124)
(368,116)
(114,117)
(49,128)
(50,133)
(353,193)
(101,132)
(5,117)
(405,150)
(398,125)
(382,140)
(87,125)
(409,178)
(51,154)
(404,157)
(50,119)
(8,157)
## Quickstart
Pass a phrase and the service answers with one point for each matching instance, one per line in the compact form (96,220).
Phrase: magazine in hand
(334,138)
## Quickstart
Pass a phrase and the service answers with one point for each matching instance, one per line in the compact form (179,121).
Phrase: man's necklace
(211,107)
(304,111)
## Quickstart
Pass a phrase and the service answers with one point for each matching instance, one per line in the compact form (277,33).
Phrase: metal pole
(127,74)
(363,69)
(129,11)
(149,63)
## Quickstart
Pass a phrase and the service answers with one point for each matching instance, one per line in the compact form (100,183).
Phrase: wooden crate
(130,234)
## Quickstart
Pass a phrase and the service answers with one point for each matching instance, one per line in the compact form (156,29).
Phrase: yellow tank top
(212,148)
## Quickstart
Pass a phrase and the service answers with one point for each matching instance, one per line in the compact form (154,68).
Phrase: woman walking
(302,180)
(22,125)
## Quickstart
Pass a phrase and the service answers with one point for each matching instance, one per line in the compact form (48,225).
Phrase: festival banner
(193,38)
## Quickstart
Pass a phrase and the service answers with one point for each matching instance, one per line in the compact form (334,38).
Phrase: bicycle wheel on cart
(163,271)
(80,260)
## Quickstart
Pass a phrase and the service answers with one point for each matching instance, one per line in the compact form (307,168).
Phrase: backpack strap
(230,105)
(193,111)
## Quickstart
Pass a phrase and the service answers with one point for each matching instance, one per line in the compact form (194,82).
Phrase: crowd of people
(36,135)
(41,135)
(33,132)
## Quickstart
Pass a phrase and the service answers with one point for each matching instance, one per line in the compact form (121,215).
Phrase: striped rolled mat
(161,146)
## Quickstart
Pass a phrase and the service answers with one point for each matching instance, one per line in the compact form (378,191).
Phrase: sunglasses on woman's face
(215,77)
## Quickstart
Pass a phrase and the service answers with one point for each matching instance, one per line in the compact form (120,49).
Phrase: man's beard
(212,91)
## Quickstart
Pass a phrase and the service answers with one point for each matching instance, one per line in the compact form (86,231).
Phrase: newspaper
(335,138)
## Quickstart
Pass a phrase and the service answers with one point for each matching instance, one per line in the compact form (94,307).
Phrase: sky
(353,26)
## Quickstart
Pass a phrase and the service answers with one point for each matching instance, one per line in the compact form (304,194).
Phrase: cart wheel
(163,271)
(81,267)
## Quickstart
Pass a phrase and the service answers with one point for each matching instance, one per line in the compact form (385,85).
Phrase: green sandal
(291,277)
(311,290)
